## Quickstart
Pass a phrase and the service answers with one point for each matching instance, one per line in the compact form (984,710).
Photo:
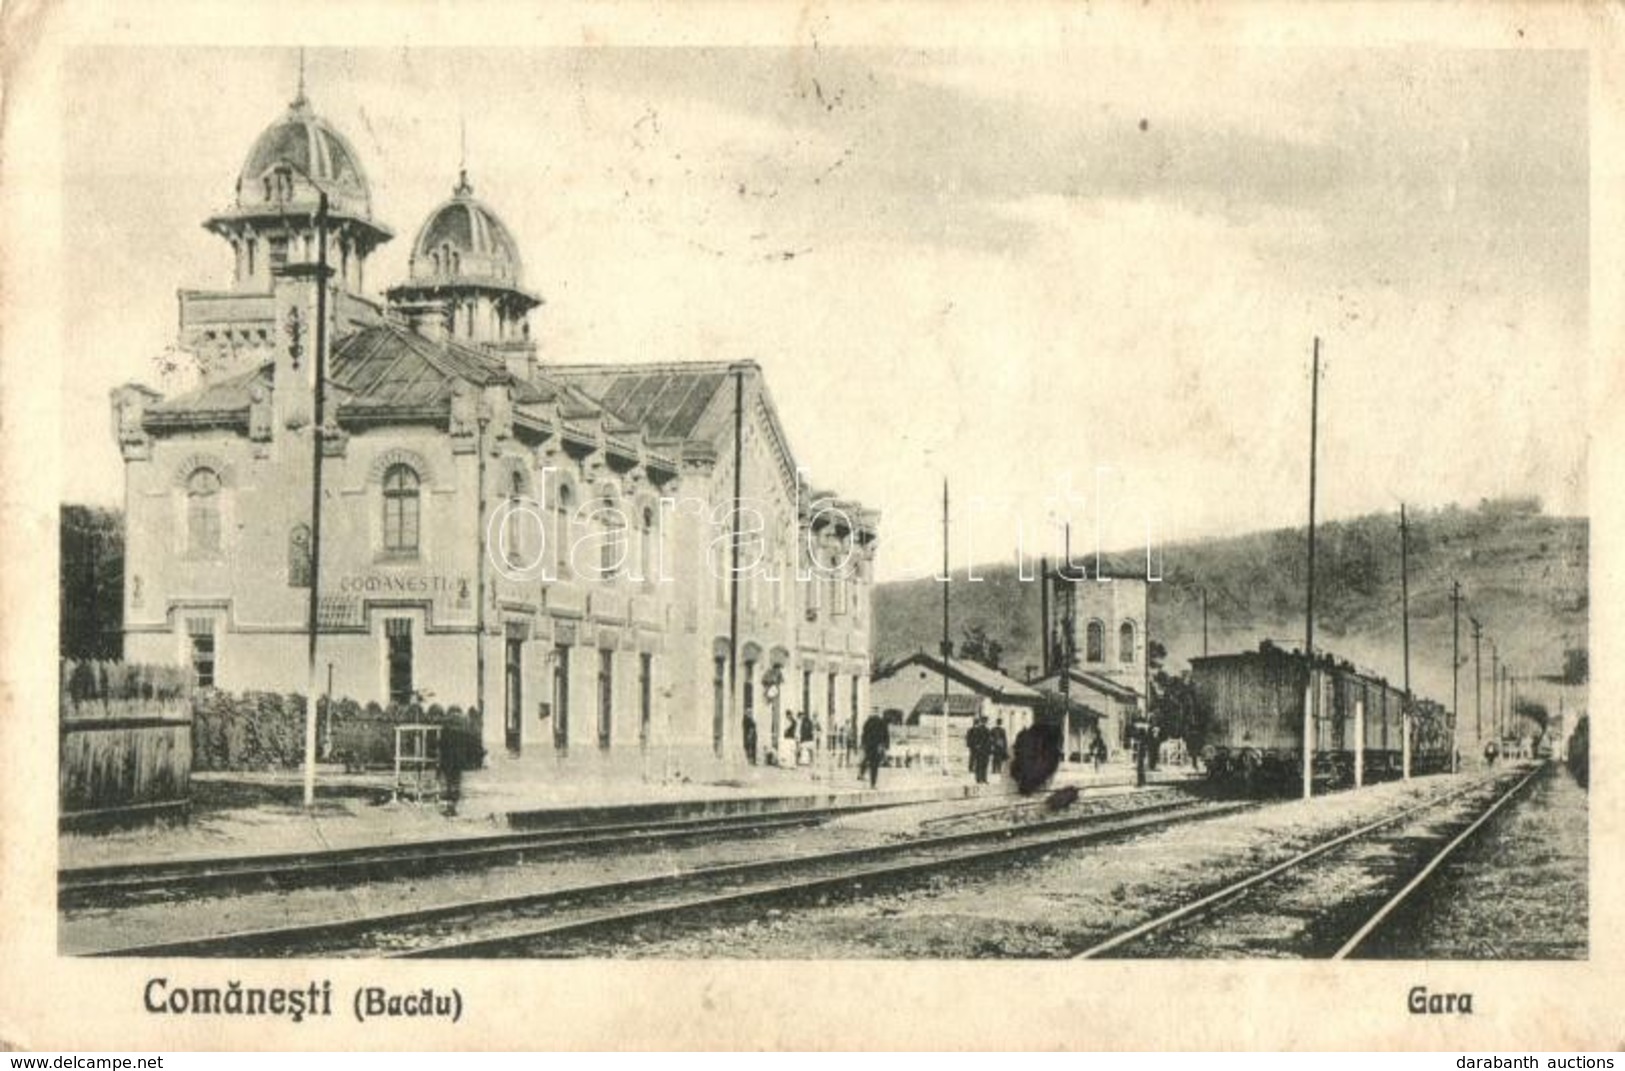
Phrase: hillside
(1523,575)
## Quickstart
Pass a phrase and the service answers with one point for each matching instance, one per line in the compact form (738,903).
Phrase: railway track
(551,922)
(1327,900)
(111,885)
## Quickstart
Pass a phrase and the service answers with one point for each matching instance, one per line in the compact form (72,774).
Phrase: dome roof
(304,146)
(464,242)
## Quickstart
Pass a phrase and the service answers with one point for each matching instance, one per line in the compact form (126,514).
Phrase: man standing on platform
(980,742)
(876,739)
(1000,746)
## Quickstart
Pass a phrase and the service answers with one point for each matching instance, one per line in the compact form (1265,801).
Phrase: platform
(252,813)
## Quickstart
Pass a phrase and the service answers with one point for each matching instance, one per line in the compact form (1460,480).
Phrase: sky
(1080,285)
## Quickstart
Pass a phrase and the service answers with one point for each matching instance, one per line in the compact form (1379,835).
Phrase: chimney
(426,319)
(520,359)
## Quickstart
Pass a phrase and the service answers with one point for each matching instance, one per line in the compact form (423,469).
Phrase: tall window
(561,697)
(1125,643)
(203,512)
(606,696)
(513,538)
(398,638)
(779,569)
(563,506)
(200,632)
(299,556)
(646,682)
(400,510)
(1095,642)
(612,552)
(279,251)
(647,564)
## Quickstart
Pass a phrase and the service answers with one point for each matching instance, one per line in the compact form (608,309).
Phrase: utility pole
(1455,667)
(1045,632)
(1495,694)
(1311,694)
(1405,632)
(319,416)
(1204,622)
(721,731)
(1478,684)
(947,644)
(1068,646)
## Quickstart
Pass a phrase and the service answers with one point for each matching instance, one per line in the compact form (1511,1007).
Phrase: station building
(546,541)
(916,690)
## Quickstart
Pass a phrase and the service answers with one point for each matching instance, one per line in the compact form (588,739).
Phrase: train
(1580,751)
(1250,709)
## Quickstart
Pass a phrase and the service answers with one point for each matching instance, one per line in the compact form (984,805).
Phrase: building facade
(915,691)
(1097,629)
(552,543)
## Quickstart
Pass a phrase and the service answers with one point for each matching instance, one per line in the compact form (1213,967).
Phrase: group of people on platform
(798,744)
(987,747)
(1033,757)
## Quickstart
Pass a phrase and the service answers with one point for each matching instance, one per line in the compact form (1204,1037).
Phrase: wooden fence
(123,758)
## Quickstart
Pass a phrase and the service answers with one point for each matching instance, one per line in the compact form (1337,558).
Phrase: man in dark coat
(1001,747)
(876,738)
(749,734)
(980,742)
(1036,754)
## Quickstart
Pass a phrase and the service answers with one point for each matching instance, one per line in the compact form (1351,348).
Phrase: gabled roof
(1095,682)
(387,366)
(226,397)
(667,400)
(970,674)
(960,705)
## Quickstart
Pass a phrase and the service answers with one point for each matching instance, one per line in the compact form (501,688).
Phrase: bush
(251,731)
(365,738)
(266,731)
(92,689)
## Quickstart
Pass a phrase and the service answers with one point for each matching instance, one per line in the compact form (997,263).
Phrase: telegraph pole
(1455,668)
(319,416)
(721,731)
(1478,684)
(1204,622)
(1495,694)
(947,644)
(1405,632)
(1311,694)
(1069,623)
(1044,629)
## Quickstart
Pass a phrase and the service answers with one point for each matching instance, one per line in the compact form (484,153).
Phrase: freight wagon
(1251,706)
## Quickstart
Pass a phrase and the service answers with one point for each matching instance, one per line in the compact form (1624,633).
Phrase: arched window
(203,512)
(1094,645)
(1125,642)
(513,537)
(647,558)
(299,556)
(612,548)
(400,510)
(563,507)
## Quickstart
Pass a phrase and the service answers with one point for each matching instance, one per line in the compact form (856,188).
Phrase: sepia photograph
(812,497)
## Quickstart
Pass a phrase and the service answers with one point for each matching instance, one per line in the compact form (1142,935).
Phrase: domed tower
(273,222)
(466,280)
